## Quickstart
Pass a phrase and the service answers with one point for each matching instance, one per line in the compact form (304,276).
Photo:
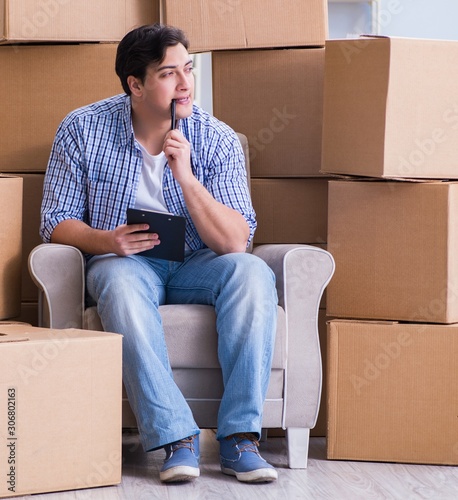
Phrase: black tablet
(170,228)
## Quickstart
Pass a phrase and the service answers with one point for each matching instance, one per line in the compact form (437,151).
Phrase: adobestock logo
(224,7)
(373,368)
(46,11)
(43,356)
(435,310)
(102,473)
(427,146)
(385,16)
(277,124)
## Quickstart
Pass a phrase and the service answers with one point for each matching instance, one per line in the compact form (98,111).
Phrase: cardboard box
(60,424)
(275,98)
(13,322)
(70,21)
(10,245)
(321,425)
(246,24)
(75,75)
(390,108)
(290,210)
(31,206)
(395,246)
(392,392)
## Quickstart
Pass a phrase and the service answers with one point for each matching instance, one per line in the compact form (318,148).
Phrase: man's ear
(135,85)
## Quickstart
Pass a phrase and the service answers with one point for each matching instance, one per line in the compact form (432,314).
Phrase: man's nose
(183,81)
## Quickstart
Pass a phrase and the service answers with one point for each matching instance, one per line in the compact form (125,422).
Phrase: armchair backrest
(246,150)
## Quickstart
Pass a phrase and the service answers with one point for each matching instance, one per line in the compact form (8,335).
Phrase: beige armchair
(293,398)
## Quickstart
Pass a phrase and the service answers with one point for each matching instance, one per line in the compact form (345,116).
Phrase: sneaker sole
(254,476)
(178,474)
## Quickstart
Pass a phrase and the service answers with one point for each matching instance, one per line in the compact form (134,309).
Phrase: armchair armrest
(302,273)
(58,272)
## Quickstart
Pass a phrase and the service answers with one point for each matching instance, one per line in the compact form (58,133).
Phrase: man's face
(171,79)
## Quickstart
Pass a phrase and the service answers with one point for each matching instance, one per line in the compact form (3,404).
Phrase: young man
(121,153)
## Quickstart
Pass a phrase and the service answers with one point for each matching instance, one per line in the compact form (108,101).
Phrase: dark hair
(143,46)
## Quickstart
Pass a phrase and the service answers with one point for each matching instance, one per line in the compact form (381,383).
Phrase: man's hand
(123,240)
(178,153)
(129,239)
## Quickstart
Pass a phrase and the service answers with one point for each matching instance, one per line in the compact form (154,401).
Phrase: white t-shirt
(149,193)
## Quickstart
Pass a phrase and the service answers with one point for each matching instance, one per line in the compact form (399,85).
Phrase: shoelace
(184,443)
(252,446)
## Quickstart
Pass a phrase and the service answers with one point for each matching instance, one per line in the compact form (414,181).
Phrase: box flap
(384,178)
(385,37)
(361,321)
(12,337)
(38,334)
(3,19)
(369,35)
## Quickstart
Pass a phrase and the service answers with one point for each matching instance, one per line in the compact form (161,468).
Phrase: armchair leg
(298,447)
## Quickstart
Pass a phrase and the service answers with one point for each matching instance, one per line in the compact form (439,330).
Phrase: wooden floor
(322,479)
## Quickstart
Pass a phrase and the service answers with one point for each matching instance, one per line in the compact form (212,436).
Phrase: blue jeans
(241,287)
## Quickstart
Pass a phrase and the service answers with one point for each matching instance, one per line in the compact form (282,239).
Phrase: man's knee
(118,276)
(252,271)
(108,270)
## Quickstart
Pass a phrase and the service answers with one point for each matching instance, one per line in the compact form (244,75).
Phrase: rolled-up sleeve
(228,182)
(64,190)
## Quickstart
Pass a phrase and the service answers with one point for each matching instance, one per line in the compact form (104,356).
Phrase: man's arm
(124,240)
(220,227)
(65,200)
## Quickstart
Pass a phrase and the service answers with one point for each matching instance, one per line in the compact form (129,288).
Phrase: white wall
(407,18)
(203,79)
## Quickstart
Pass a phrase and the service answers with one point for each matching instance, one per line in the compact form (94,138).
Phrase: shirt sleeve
(228,181)
(64,189)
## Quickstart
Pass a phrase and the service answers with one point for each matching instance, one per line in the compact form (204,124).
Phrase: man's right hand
(124,240)
(131,239)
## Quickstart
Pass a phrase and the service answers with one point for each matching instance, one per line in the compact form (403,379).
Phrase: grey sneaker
(240,457)
(181,461)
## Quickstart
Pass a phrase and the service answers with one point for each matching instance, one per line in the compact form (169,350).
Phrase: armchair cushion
(191,336)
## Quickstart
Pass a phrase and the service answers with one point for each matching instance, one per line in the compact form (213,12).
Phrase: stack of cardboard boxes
(391,123)
(52,62)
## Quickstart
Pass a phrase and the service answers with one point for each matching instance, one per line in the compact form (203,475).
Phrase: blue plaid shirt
(95,165)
